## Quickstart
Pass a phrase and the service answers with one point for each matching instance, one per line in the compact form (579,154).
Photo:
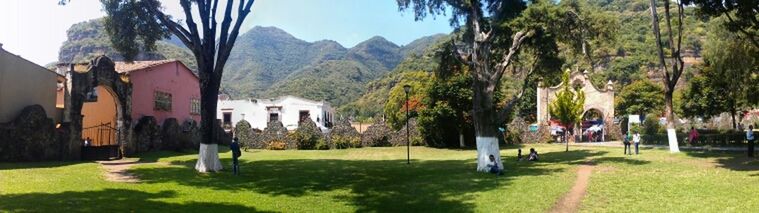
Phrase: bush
(307,135)
(322,144)
(276,145)
(378,134)
(651,126)
(343,135)
(343,142)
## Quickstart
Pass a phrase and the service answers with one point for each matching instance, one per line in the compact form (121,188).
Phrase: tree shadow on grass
(374,185)
(116,200)
(737,161)
(38,165)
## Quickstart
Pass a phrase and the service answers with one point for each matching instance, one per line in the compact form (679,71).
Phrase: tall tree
(641,97)
(485,31)
(670,74)
(568,106)
(728,80)
(742,15)
(134,24)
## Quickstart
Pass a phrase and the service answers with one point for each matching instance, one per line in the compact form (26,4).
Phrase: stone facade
(29,137)
(601,100)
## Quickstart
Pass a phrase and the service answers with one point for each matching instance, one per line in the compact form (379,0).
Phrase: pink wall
(173,78)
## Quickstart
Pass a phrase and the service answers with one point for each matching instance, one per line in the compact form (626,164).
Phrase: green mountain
(267,62)
(89,39)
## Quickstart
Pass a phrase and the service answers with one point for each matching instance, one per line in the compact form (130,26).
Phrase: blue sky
(35,29)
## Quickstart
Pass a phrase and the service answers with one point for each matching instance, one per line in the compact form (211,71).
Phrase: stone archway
(83,78)
(598,100)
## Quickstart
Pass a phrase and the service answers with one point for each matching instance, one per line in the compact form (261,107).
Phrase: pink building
(163,89)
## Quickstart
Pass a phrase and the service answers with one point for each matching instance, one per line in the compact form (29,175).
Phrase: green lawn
(378,179)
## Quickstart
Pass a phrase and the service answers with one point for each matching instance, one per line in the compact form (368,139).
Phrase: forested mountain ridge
(267,62)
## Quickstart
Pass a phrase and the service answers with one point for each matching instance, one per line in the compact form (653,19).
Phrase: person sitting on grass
(533,155)
(493,166)
(519,154)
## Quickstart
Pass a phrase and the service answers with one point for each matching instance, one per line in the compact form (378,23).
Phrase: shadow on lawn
(118,200)
(737,161)
(374,185)
(38,165)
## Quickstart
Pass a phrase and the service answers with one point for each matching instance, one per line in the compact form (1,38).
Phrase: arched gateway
(99,97)
(599,103)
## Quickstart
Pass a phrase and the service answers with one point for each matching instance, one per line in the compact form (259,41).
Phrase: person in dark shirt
(235,147)
(519,155)
(533,155)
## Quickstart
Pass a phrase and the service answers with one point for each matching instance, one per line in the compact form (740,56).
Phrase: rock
(170,135)
(147,135)
(189,138)
(29,137)
(307,135)
(274,137)
(378,134)
(343,135)
(398,138)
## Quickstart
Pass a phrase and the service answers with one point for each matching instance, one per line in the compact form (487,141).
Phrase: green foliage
(568,106)
(640,98)
(728,79)
(447,106)
(395,108)
(743,15)
(650,126)
(308,135)
(132,27)
(244,134)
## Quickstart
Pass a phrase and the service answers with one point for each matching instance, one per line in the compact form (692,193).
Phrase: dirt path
(570,202)
(117,170)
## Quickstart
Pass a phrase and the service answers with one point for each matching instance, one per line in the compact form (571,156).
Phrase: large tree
(742,15)
(728,79)
(640,98)
(135,24)
(485,34)
(670,75)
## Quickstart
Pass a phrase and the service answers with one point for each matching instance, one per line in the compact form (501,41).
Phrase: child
(533,155)
(519,154)
(494,166)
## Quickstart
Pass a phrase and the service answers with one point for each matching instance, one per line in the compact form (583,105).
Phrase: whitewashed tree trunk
(487,146)
(461,140)
(208,158)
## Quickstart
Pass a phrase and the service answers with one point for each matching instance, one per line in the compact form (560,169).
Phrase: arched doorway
(99,120)
(592,125)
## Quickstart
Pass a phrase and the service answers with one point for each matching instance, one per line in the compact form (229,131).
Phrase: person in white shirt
(493,166)
(750,139)
(636,140)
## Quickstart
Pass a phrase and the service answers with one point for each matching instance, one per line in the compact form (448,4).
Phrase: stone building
(598,102)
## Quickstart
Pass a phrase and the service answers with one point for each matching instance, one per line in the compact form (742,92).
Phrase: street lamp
(407,89)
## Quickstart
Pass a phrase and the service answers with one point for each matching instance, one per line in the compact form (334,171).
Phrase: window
(273,117)
(227,118)
(162,101)
(195,106)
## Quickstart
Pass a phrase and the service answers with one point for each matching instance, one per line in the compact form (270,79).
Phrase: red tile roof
(124,67)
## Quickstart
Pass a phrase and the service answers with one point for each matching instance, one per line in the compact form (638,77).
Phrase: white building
(286,109)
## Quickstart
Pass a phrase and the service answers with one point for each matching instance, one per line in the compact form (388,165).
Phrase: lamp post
(407,89)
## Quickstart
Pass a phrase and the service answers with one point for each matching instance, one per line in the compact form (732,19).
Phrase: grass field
(378,179)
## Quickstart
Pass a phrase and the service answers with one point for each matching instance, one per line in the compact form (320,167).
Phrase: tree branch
(516,44)
(504,112)
(176,29)
(194,35)
(225,47)
(749,35)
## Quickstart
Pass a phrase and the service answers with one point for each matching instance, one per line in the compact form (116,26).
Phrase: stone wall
(30,137)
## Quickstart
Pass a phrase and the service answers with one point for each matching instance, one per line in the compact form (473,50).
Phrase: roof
(27,61)
(124,67)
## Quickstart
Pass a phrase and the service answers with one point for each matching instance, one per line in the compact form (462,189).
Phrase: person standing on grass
(626,142)
(636,140)
(236,153)
(750,139)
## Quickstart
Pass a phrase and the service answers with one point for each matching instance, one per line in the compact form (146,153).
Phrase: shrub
(378,134)
(277,145)
(307,135)
(322,144)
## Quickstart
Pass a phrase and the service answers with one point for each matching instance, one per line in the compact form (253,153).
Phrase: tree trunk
(732,115)
(208,154)
(484,117)
(670,115)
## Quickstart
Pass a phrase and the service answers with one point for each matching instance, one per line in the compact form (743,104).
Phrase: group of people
(493,165)
(631,139)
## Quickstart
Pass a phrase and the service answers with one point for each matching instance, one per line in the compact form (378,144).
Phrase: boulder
(170,135)
(378,134)
(343,135)
(30,137)
(398,138)
(147,135)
